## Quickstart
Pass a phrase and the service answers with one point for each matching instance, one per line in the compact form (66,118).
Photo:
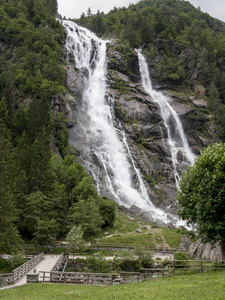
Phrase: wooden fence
(182,267)
(174,268)
(150,273)
(109,246)
(126,277)
(177,267)
(77,278)
(27,266)
(60,263)
(6,278)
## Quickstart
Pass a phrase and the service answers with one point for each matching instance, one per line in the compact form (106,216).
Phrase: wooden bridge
(18,277)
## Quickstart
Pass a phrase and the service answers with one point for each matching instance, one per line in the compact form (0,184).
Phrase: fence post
(174,268)
(201,267)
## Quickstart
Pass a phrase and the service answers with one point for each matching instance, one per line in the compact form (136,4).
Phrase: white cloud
(74,8)
(214,8)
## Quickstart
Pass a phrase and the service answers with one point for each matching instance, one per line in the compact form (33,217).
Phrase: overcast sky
(74,8)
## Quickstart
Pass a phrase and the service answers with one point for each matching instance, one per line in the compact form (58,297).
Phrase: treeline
(183,45)
(42,196)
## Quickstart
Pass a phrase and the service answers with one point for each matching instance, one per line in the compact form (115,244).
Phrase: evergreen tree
(8,232)
(40,176)
(213,98)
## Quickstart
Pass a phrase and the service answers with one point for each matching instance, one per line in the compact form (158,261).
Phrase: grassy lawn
(207,286)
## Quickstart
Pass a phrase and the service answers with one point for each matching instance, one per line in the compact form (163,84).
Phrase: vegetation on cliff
(42,195)
(184,46)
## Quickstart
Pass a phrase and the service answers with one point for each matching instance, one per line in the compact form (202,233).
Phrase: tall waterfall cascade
(102,146)
(181,154)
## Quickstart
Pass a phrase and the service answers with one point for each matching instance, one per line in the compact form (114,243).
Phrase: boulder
(185,243)
(208,251)
(201,103)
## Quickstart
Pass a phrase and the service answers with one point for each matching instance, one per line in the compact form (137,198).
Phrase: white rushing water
(181,154)
(100,139)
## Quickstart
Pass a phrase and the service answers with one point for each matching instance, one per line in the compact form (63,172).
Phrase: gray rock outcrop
(208,251)
(199,250)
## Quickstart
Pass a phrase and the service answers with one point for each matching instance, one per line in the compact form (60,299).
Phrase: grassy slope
(136,232)
(202,286)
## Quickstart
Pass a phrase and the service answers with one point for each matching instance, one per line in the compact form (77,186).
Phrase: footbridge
(41,262)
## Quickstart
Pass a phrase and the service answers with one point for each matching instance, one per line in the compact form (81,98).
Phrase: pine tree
(8,231)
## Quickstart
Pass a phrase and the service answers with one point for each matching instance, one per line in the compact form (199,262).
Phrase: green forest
(43,194)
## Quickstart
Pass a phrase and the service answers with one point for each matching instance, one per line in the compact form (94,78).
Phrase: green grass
(207,286)
(124,232)
(134,238)
(172,237)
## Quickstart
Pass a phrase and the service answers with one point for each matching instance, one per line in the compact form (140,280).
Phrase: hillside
(45,190)
(184,46)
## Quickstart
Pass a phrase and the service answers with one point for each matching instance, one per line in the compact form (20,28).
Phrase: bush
(99,264)
(128,265)
(181,256)
(9,264)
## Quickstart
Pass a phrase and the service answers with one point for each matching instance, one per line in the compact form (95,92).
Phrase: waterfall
(102,146)
(181,154)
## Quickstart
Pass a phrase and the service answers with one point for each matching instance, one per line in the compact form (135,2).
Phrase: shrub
(181,256)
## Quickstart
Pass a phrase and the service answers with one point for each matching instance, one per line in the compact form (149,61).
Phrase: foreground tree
(202,195)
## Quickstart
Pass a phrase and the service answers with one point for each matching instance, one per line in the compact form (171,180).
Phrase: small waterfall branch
(181,154)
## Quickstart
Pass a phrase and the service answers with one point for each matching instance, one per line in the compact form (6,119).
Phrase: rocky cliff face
(147,136)
(140,118)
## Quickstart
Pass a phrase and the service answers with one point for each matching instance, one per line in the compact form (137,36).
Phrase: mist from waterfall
(181,154)
(103,147)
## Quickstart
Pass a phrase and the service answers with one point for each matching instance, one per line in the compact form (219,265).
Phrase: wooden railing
(27,266)
(77,278)
(6,278)
(150,273)
(99,246)
(60,262)
(176,267)
(126,277)
(181,267)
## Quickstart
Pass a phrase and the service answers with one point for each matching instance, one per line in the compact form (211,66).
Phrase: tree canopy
(202,194)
